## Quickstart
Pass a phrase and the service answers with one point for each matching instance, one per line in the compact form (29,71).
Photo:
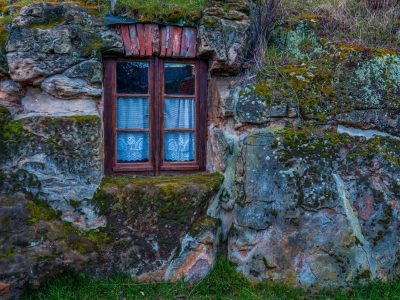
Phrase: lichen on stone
(320,79)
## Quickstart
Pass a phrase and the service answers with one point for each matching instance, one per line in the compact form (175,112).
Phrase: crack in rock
(354,223)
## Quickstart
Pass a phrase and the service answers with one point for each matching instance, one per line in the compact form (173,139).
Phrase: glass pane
(179,79)
(132,147)
(132,77)
(132,113)
(179,146)
(179,113)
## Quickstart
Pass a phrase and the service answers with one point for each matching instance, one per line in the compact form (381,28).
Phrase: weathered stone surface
(89,70)
(10,93)
(47,39)
(219,149)
(62,86)
(156,229)
(38,103)
(198,253)
(150,217)
(224,94)
(222,34)
(34,67)
(62,154)
(388,121)
(35,244)
(324,80)
(316,208)
(252,109)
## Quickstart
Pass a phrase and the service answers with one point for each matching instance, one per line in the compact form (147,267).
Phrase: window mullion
(156,94)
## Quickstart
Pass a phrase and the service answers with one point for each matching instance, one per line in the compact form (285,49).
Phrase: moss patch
(40,211)
(168,187)
(152,214)
(170,11)
(203,224)
(48,24)
(322,79)
(85,241)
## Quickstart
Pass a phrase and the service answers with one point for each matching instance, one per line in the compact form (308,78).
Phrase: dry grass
(374,23)
(264,18)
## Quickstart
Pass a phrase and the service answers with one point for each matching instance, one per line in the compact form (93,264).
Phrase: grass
(166,11)
(374,23)
(222,283)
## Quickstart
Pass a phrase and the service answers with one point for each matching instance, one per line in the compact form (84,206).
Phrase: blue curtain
(132,113)
(179,113)
(132,147)
(179,146)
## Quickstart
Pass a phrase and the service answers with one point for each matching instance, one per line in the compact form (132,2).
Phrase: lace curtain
(179,113)
(132,113)
(132,147)
(179,146)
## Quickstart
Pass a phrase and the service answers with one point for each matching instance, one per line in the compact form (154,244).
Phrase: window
(154,115)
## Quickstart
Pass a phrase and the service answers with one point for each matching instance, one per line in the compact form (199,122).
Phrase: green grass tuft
(222,283)
(165,11)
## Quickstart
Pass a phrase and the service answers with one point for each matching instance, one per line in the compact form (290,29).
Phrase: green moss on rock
(48,23)
(169,189)
(170,11)
(150,215)
(204,224)
(40,211)
(323,79)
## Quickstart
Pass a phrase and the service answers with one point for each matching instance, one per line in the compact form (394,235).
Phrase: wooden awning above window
(141,40)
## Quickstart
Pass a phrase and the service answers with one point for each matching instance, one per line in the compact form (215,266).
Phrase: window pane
(179,79)
(179,113)
(132,77)
(178,146)
(132,147)
(132,113)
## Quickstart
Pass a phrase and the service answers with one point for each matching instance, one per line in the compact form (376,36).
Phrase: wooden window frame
(156,96)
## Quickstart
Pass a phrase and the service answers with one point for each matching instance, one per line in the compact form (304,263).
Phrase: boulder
(316,208)
(48,39)
(38,103)
(222,35)
(159,227)
(36,244)
(64,87)
(61,154)
(10,93)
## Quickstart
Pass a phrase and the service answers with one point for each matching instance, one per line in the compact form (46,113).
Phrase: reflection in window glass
(179,113)
(132,77)
(179,79)
(132,147)
(178,146)
(132,113)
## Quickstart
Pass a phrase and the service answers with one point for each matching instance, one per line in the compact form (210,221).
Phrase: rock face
(157,230)
(222,34)
(48,39)
(36,243)
(322,211)
(57,153)
(311,190)
(54,96)
(149,219)
(308,150)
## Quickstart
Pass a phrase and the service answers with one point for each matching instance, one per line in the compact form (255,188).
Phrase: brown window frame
(156,96)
